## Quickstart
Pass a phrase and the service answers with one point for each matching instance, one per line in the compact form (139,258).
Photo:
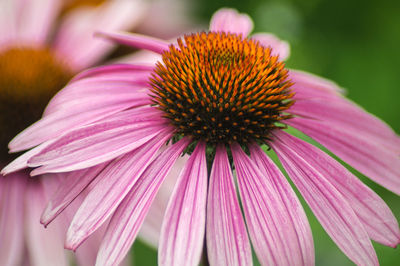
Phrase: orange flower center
(28,79)
(222,88)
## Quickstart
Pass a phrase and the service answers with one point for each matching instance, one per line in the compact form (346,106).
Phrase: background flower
(42,45)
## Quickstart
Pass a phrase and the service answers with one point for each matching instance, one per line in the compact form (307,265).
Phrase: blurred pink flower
(36,60)
(218,97)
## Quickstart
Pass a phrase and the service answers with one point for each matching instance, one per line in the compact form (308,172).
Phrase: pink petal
(45,246)
(308,86)
(77,30)
(12,191)
(278,47)
(274,238)
(129,216)
(97,143)
(8,22)
(365,155)
(136,40)
(151,228)
(227,240)
(374,214)
(87,252)
(22,161)
(73,184)
(229,20)
(329,206)
(112,185)
(79,109)
(36,20)
(96,94)
(113,70)
(303,249)
(182,231)
(142,57)
(340,113)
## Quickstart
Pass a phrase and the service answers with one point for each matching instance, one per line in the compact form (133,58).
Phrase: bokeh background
(354,43)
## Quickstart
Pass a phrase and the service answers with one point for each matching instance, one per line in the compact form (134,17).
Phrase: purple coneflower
(36,61)
(218,97)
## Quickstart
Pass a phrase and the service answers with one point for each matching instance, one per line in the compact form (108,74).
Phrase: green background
(354,43)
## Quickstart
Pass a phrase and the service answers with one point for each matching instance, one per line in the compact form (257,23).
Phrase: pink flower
(219,97)
(36,61)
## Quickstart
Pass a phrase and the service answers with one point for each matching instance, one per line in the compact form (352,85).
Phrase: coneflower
(220,97)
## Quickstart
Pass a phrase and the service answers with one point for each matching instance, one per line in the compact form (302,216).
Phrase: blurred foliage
(354,43)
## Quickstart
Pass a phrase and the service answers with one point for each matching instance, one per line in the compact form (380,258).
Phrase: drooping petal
(341,113)
(278,47)
(229,20)
(22,161)
(374,214)
(97,143)
(227,240)
(328,204)
(297,216)
(366,156)
(136,40)
(182,231)
(119,70)
(12,191)
(274,238)
(36,20)
(45,245)
(79,111)
(73,183)
(78,26)
(98,94)
(310,84)
(112,185)
(129,216)
(150,230)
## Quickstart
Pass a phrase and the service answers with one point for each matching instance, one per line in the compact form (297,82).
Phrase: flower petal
(73,184)
(227,240)
(97,94)
(136,40)
(151,228)
(229,20)
(341,113)
(182,231)
(22,161)
(36,20)
(267,219)
(81,105)
(78,26)
(119,70)
(12,189)
(278,47)
(8,21)
(366,156)
(129,216)
(374,214)
(45,245)
(97,143)
(308,86)
(329,206)
(112,185)
(303,249)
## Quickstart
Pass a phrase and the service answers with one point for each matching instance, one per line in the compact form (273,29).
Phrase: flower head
(36,61)
(220,97)
(221,88)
